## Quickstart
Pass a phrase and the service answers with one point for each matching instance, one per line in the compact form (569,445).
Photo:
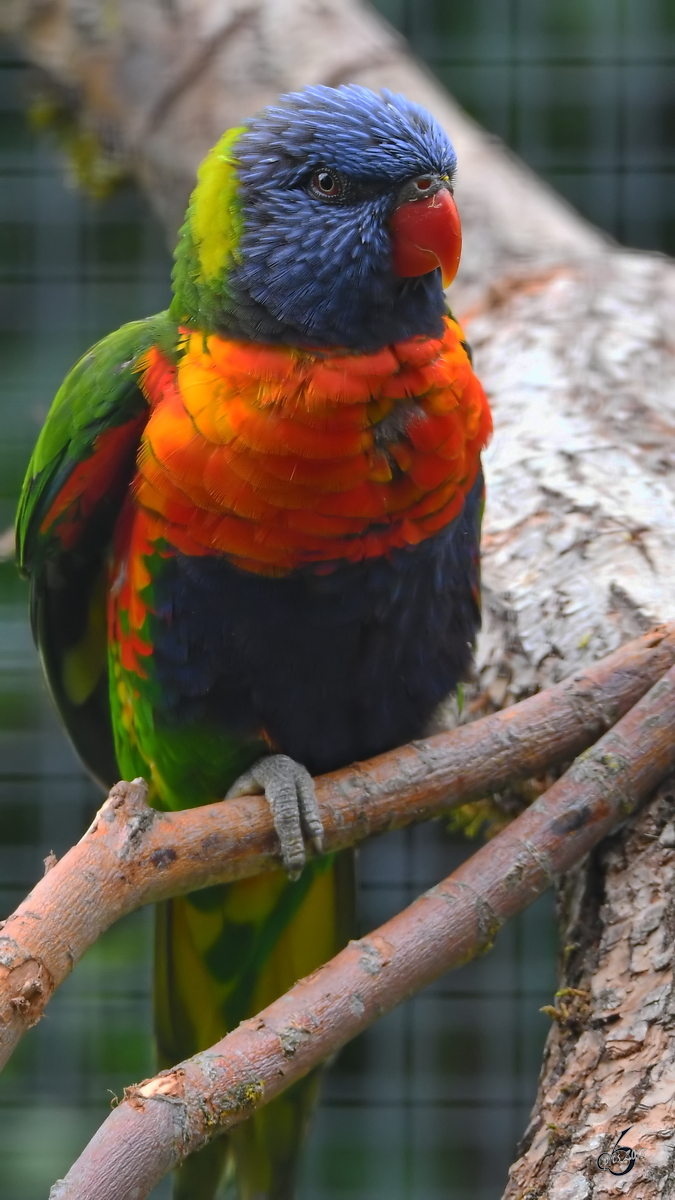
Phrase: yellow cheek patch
(215,211)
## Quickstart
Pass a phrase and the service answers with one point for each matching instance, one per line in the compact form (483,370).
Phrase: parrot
(251,525)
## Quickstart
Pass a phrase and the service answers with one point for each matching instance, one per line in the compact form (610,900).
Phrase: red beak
(427,234)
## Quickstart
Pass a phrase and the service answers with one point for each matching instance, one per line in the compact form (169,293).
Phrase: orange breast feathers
(279,458)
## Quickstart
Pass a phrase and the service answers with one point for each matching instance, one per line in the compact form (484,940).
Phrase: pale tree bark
(610,1059)
(573,339)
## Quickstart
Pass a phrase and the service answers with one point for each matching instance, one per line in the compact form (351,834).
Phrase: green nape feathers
(209,238)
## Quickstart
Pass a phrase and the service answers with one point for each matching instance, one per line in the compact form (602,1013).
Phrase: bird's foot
(289,789)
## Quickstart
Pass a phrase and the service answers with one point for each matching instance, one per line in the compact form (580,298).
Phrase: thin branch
(164,1119)
(133,855)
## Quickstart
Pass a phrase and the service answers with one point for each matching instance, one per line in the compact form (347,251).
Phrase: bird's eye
(326,184)
(423,184)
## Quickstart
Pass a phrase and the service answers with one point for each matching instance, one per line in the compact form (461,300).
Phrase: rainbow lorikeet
(251,525)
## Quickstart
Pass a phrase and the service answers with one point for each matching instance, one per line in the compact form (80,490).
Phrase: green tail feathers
(221,955)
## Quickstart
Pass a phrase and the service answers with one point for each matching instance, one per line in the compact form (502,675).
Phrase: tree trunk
(574,341)
(610,1059)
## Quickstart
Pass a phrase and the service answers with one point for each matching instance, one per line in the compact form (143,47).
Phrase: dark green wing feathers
(74,488)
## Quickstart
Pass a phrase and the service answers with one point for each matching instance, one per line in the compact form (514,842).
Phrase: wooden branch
(164,1119)
(133,855)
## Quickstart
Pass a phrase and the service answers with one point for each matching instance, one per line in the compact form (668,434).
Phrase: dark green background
(429,1103)
(584,90)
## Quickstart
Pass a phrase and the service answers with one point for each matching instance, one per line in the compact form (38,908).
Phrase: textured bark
(578,548)
(133,855)
(610,1057)
(164,1119)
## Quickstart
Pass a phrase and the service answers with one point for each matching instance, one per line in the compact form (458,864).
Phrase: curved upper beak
(426,233)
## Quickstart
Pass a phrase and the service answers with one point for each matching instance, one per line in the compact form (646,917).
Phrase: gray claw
(289,788)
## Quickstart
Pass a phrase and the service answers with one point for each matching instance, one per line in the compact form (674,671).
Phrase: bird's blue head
(326,220)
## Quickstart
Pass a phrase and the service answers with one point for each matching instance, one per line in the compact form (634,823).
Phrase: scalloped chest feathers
(279,458)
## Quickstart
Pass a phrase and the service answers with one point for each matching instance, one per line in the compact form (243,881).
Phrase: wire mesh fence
(583,90)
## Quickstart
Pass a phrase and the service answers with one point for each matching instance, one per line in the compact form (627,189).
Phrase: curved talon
(289,789)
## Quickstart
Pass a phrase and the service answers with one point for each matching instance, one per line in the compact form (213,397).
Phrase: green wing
(74,487)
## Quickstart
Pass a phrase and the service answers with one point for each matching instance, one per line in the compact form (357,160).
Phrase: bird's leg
(289,789)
